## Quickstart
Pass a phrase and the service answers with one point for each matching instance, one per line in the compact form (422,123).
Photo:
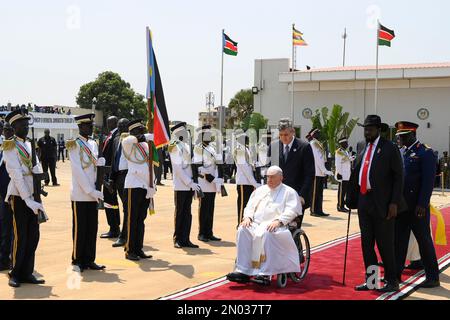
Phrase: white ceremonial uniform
(206,156)
(19,167)
(319,158)
(244,167)
(180,157)
(83,155)
(343,161)
(138,175)
(261,252)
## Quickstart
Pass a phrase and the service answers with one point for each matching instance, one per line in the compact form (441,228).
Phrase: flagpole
(150,117)
(376,68)
(292,72)
(221,87)
(344,36)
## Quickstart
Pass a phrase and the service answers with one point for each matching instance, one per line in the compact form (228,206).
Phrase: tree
(114,97)
(254,121)
(241,106)
(333,127)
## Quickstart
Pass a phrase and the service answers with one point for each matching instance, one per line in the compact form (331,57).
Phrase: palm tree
(333,126)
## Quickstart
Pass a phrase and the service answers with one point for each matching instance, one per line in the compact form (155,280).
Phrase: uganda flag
(385,36)
(297,38)
(229,46)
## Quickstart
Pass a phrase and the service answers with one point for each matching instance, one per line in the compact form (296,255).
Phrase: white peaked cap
(273,170)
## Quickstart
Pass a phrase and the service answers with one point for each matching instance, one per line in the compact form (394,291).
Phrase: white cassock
(413,249)
(260,252)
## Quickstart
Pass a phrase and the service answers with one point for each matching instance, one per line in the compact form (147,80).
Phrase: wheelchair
(304,251)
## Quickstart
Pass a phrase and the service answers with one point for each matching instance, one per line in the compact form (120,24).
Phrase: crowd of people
(36,108)
(389,184)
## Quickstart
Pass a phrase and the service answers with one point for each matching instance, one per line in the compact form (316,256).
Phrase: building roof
(382,67)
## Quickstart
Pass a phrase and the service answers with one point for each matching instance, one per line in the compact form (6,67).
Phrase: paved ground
(171,269)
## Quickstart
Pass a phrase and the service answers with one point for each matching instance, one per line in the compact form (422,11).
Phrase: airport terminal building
(419,93)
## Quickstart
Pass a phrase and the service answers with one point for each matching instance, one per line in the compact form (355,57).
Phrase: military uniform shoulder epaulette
(9,145)
(124,135)
(71,144)
(172,146)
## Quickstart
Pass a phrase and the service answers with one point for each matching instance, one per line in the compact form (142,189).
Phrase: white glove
(194,186)
(148,137)
(101,162)
(37,169)
(34,205)
(97,195)
(150,193)
(218,181)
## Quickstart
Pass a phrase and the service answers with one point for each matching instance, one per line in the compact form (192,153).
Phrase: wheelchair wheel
(302,243)
(281,280)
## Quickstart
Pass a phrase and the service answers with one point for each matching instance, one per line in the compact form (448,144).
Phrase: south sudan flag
(385,36)
(229,46)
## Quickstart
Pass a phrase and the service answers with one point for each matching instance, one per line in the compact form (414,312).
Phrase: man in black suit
(110,194)
(296,159)
(376,190)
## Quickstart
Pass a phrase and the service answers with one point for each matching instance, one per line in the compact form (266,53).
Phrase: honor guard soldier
(420,170)
(246,182)
(17,156)
(137,186)
(83,155)
(320,157)
(185,183)
(343,161)
(206,158)
(444,166)
(110,193)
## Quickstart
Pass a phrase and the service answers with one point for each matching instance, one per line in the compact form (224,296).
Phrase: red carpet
(323,280)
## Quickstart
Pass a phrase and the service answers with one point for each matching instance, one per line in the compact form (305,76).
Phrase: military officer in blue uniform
(420,170)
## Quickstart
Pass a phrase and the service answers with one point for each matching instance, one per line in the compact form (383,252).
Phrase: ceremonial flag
(297,38)
(385,36)
(440,237)
(156,102)
(229,46)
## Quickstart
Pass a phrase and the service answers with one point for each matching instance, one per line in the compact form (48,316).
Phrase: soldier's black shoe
(132,256)
(415,265)
(191,245)
(362,287)
(143,255)
(238,277)
(33,280)
(430,284)
(320,214)
(94,266)
(109,235)
(56,184)
(119,243)
(13,282)
(342,210)
(390,287)
(212,238)
(203,238)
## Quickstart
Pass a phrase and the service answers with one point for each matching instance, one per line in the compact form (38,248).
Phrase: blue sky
(48,49)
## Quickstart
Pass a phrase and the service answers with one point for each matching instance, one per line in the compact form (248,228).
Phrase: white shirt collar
(290,144)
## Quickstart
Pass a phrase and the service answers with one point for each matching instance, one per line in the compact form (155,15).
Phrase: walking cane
(346,246)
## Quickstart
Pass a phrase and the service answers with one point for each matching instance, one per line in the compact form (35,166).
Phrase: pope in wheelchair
(265,245)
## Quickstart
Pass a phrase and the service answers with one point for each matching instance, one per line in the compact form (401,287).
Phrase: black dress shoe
(390,287)
(56,184)
(119,243)
(430,284)
(238,277)
(33,280)
(109,235)
(203,238)
(132,257)
(362,287)
(143,255)
(177,245)
(320,214)
(415,265)
(94,266)
(191,245)
(13,282)
(212,238)
(342,210)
